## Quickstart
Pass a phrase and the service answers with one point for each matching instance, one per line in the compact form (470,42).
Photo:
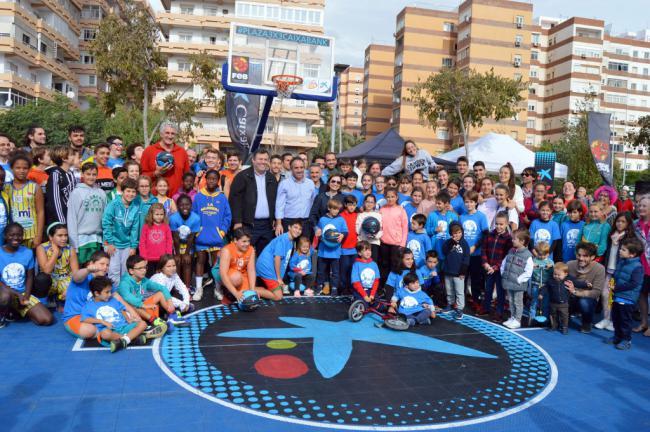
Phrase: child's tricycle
(359,308)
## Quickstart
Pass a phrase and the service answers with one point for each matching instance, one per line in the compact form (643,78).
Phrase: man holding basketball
(172,171)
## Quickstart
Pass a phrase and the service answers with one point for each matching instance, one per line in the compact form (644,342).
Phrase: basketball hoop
(286,84)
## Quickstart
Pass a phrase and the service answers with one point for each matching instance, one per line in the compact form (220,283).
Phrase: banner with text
(598,134)
(243,114)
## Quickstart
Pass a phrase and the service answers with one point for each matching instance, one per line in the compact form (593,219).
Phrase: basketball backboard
(257,54)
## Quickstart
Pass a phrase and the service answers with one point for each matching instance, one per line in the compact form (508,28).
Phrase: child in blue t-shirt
(571,230)
(403,264)
(184,225)
(431,278)
(301,278)
(417,240)
(455,199)
(329,252)
(213,209)
(438,223)
(475,228)
(113,323)
(411,206)
(17,277)
(543,229)
(365,274)
(412,302)
(272,263)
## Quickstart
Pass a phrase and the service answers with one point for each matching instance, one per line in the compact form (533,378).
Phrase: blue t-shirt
(544,232)
(410,302)
(402,198)
(381,201)
(571,233)
(473,227)
(458,204)
(280,246)
(109,311)
(77,295)
(302,262)
(397,280)
(15,267)
(365,273)
(427,276)
(326,223)
(115,162)
(410,209)
(434,220)
(9,175)
(184,227)
(419,244)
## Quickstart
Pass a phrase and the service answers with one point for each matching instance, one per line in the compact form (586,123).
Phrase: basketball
(370,225)
(164,158)
(331,237)
(249,301)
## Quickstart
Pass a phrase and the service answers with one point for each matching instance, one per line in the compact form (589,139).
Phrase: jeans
(531,311)
(587,307)
(455,287)
(516,300)
(622,319)
(328,270)
(418,317)
(490,282)
(345,270)
(261,234)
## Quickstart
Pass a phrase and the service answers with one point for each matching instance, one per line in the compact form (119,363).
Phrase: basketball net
(284,86)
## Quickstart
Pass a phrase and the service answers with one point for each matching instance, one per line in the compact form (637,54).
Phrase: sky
(357,23)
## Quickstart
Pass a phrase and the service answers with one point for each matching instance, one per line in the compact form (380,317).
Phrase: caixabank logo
(302,361)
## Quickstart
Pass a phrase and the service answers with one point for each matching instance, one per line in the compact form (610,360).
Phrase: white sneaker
(285,289)
(198,294)
(296,293)
(609,326)
(602,324)
(309,292)
(218,292)
(507,322)
(514,324)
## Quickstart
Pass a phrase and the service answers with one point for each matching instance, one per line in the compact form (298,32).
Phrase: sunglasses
(526,175)
(335,181)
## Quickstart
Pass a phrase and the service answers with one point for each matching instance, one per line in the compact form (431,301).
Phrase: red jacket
(624,206)
(350,241)
(175,175)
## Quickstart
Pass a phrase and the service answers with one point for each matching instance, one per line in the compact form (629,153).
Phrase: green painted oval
(281,344)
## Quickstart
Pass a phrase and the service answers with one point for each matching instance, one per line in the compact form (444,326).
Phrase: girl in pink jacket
(155,238)
(395,229)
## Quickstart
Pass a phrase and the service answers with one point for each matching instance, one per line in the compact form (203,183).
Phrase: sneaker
(515,324)
(177,320)
(155,331)
(218,292)
(334,292)
(624,345)
(612,341)
(446,309)
(410,322)
(609,326)
(207,282)
(285,289)
(198,294)
(565,331)
(3,321)
(309,292)
(117,345)
(458,315)
(296,293)
(602,324)
(507,322)
(585,328)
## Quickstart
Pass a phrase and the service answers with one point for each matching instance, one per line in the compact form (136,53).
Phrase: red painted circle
(281,366)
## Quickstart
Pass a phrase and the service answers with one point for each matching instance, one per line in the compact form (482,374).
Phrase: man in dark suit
(252,201)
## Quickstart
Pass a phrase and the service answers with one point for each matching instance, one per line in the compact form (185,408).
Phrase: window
(530,124)
(211,11)
(635,53)
(519,21)
(33,77)
(185,37)
(442,134)
(517,60)
(532,107)
(311,70)
(518,40)
(447,62)
(533,73)
(448,27)
(633,86)
(357,101)
(184,66)
(398,77)
(27,39)
(13,68)
(400,25)
(187,9)
(645,71)
(87,59)
(532,90)
(615,66)
(611,82)
(535,39)
(92,80)
(534,55)
(516,76)
(89,34)
(43,48)
(646,55)
(91,12)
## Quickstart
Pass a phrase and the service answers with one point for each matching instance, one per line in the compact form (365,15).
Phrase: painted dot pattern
(529,375)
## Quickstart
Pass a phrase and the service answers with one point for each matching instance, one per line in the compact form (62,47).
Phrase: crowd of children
(122,260)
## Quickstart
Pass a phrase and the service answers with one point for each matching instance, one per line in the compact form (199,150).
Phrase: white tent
(496,150)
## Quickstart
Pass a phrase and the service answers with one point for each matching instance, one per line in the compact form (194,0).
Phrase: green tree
(641,138)
(325,113)
(465,98)
(55,117)
(324,136)
(126,122)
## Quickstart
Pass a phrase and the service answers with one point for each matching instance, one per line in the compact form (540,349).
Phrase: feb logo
(302,361)
(600,150)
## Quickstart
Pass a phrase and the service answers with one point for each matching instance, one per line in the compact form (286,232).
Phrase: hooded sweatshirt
(85,209)
(456,253)
(133,292)
(422,161)
(121,224)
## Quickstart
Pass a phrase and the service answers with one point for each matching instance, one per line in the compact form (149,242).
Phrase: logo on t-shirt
(367,277)
(572,237)
(415,247)
(108,314)
(542,235)
(14,276)
(470,228)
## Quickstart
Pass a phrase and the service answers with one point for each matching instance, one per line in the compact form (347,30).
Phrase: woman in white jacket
(168,277)
(410,161)
(507,177)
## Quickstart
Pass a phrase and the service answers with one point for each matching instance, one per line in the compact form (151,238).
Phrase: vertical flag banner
(598,134)
(243,113)
(545,168)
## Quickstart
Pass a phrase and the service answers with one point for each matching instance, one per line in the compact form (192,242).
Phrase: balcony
(218,50)
(26,86)
(219,137)
(30,54)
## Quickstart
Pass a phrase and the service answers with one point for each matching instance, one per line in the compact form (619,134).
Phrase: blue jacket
(556,290)
(214,211)
(456,255)
(629,278)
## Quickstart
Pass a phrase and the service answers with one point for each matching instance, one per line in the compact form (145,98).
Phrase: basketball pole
(334,115)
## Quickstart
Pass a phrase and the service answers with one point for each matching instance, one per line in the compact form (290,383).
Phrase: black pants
(328,270)
(622,320)
(345,271)
(386,255)
(477,278)
(559,315)
(261,234)
(301,282)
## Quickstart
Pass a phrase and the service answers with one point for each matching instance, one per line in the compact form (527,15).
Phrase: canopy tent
(385,148)
(496,150)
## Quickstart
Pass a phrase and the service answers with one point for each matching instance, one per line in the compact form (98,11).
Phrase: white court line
(77,347)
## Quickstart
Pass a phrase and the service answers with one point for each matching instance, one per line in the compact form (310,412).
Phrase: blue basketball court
(300,365)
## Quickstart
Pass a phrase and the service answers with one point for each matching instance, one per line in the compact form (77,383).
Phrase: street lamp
(625,152)
(338,70)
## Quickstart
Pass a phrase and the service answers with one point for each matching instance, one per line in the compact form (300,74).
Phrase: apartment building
(378,71)
(350,97)
(577,60)
(193,26)
(425,42)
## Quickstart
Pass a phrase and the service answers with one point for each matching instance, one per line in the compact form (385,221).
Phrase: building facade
(350,97)
(194,26)
(378,70)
